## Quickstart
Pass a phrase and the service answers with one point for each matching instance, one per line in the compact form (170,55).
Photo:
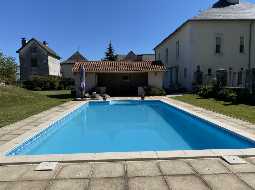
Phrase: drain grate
(234,160)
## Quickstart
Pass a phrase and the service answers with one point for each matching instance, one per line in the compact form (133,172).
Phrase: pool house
(119,77)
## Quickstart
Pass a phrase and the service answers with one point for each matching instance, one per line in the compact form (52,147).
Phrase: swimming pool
(129,126)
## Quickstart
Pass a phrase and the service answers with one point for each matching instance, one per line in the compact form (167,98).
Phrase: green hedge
(235,95)
(48,83)
(153,91)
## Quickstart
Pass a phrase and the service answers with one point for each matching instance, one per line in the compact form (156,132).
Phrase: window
(241,48)
(177,49)
(166,55)
(209,72)
(185,73)
(34,62)
(218,45)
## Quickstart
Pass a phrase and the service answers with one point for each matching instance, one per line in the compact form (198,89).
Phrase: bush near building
(153,91)
(39,83)
(229,94)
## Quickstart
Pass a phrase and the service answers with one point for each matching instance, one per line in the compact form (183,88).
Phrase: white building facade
(221,38)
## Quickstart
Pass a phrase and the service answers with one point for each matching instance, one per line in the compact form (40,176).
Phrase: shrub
(67,83)
(230,96)
(205,92)
(37,89)
(48,83)
(226,94)
(243,95)
(154,91)
(73,92)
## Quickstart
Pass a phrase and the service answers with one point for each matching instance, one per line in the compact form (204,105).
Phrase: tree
(7,69)
(109,54)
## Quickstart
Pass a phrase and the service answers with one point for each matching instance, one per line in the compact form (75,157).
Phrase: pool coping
(128,156)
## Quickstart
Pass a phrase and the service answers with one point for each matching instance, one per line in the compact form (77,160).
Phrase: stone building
(131,56)
(67,65)
(220,39)
(36,58)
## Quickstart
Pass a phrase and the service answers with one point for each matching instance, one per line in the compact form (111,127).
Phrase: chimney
(45,43)
(23,42)
(233,1)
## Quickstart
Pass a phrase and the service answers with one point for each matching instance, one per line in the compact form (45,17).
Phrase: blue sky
(88,25)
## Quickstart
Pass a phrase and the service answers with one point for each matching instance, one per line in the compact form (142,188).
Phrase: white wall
(203,38)
(155,79)
(197,47)
(54,66)
(185,51)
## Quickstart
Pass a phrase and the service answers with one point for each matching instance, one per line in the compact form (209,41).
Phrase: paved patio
(194,174)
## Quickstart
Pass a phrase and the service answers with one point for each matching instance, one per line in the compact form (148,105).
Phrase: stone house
(36,58)
(221,38)
(67,65)
(131,56)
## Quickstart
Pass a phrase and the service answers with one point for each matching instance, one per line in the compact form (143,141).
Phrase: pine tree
(109,54)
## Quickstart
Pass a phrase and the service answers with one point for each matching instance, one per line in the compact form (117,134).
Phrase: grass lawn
(241,111)
(18,103)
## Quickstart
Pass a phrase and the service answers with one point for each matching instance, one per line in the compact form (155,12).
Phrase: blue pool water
(128,126)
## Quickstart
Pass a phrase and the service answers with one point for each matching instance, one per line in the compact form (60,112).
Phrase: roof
(120,66)
(45,47)
(131,56)
(76,57)
(221,11)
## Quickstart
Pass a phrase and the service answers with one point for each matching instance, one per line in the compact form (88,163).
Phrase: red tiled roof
(119,66)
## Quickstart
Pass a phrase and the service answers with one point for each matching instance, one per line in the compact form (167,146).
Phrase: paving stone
(76,171)
(241,168)
(7,137)
(186,182)
(251,159)
(208,166)
(3,142)
(27,127)
(248,178)
(174,167)
(225,181)
(5,185)
(107,184)
(148,183)
(12,173)
(29,185)
(18,132)
(31,174)
(108,170)
(135,169)
(3,132)
(68,184)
